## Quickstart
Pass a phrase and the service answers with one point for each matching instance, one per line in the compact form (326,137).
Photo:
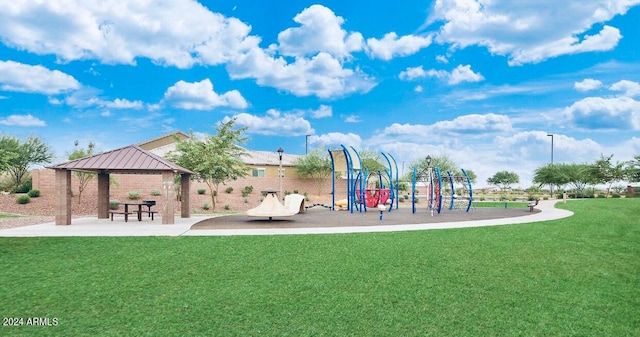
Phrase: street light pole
(551,135)
(430,198)
(280,151)
(306,144)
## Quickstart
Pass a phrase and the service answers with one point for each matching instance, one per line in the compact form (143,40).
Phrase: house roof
(269,158)
(163,140)
(130,159)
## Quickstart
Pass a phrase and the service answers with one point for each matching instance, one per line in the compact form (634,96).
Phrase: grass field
(575,276)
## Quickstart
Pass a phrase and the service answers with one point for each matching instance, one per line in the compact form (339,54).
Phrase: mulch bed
(320,217)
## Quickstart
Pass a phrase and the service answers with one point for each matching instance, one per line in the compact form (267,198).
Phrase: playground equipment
(457,194)
(271,207)
(363,189)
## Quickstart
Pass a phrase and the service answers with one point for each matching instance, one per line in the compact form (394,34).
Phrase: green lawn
(7,215)
(575,276)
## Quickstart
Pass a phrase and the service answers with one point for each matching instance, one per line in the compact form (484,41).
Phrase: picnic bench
(139,211)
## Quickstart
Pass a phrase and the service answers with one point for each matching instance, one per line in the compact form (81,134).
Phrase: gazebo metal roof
(130,160)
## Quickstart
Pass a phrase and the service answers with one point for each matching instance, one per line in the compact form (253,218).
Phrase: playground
(373,194)
(322,217)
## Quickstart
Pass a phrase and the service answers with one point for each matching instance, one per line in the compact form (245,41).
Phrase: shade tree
(504,179)
(216,158)
(17,157)
(315,165)
(83,177)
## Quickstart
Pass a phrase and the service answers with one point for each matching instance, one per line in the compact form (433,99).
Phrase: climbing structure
(442,191)
(364,189)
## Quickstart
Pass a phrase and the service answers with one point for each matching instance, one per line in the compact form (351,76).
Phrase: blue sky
(481,81)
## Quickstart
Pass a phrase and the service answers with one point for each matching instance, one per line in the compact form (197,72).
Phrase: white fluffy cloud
(587,84)
(21,77)
(201,96)
(457,75)
(335,139)
(322,112)
(621,113)
(22,120)
(274,123)
(629,88)
(178,33)
(320,31)
(322,75)
(468,125)
(391,45)
(531,33)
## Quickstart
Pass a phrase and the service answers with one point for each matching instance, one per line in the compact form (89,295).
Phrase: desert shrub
(206,206)
(246,200)
(155,192)
(201,191)
(228,190)
(227,207)
(247,190)
(133,195)
(33,193)
(23,188)
(114,204)
(23,199)
(295,191)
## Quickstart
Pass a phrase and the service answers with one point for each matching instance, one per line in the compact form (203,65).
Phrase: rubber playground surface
(322,217)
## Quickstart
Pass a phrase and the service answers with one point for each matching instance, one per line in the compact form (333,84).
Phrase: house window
(258,172)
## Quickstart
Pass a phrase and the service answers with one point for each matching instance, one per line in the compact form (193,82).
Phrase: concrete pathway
(182,227)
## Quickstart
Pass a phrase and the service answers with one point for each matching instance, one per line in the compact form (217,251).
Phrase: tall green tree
(577,175)
(215,159)
(7,151)
(552,175)
(83,177)
(442,162)
(632,169)
(315,165)
(504,179)
(18,156)
(606,172)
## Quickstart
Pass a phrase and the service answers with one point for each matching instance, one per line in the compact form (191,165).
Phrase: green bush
(246,200)
(133,195)
(155,192)
(201,191)
(34,193)
(247,190)
(23,199)
(228,190)
(206,206)
(227,207)
(114,204)
(23,188)
(615,195)
(295,191)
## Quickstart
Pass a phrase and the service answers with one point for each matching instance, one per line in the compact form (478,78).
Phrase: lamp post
(306,144)
(430,198)
(551,135)
(280,152)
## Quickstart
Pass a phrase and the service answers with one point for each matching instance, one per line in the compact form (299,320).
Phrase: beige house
(263,164)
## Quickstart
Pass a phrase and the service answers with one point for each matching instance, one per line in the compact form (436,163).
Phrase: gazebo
(127,160)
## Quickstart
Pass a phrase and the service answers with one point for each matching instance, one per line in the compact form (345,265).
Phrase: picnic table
(138,211)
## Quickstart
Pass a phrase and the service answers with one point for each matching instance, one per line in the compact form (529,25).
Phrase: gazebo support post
(103,195)
(185,191)
(63,197)
(169,194)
